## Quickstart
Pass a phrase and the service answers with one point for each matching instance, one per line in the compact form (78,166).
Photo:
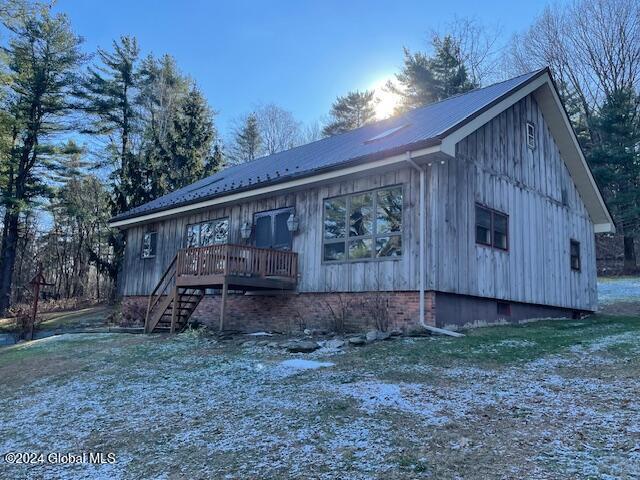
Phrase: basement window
(149,242)
(492,228)
(504,309)
(574,248)
(531,135)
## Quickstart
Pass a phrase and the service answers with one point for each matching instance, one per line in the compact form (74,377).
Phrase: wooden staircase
(171,306)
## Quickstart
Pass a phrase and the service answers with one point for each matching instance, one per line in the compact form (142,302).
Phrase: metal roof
(417,128)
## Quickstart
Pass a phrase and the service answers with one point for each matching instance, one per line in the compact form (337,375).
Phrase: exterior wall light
(293,223)
(245,231)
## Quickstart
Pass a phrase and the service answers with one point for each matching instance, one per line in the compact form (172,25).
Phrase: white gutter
(423,225)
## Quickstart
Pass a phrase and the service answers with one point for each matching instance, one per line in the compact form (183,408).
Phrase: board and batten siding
(494,167)
(141,275)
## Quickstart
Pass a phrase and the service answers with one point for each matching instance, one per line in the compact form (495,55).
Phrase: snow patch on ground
(624,289)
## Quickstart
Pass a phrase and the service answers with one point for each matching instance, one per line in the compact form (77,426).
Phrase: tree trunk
(630,265)
(8,258)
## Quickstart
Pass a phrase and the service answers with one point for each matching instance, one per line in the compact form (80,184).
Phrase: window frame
(573,242)
(530,133)
(493,212)
(212,220)
(154,235)
(347,239)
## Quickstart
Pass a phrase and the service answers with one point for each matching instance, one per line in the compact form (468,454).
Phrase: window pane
(149,244)
(221,231)
(389,210)
(193,235)
(483,226)
(361,215)
(333,251)
(500,229)
(335,214)
(360,248)
(282,234)
(263,232)
(389,246)
(206,233)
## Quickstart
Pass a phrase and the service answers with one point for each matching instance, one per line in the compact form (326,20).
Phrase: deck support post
(223,303)
(174,310)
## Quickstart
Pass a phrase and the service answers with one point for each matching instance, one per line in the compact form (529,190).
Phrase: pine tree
(351,111)
(448,70)
(43,57)
(163,89)
(615,161)
(416,85)
(426,79)
(109,96)
(247,141)
(192,140)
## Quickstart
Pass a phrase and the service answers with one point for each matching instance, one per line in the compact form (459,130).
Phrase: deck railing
(238,260)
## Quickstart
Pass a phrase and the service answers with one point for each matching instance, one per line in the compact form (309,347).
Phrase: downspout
(423,224)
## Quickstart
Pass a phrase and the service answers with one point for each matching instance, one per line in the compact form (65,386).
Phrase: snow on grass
(188,407)
(302,364)
(622,289)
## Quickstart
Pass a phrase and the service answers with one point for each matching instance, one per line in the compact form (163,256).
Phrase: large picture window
(363,226)
(492,228)
(207,233)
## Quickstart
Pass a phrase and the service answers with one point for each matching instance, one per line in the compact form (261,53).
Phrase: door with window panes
(271,229)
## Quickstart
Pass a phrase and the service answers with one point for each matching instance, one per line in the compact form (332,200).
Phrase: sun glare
(386,101)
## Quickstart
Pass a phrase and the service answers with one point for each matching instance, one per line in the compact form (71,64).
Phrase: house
(473,210)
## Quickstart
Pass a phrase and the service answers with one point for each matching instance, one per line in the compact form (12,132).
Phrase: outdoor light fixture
(293,223)
(245,230)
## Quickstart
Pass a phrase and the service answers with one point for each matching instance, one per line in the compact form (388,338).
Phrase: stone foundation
(289,313)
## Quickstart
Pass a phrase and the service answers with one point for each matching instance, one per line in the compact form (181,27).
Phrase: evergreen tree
(426,79)
(109,94)
(615,161)
(416,85)
(43,56)
(163,89)
(215,162)
(192,140)
(351,111)
(449,72)
(247,141)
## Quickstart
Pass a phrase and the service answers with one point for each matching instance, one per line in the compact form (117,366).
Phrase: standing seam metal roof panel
(421,125)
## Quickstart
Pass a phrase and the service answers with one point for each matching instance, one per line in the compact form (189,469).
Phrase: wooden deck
(227,267)
(241,267)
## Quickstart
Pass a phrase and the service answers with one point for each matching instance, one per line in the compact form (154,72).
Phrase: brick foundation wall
(295,312)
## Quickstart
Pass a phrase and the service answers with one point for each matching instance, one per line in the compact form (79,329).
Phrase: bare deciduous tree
(278,128)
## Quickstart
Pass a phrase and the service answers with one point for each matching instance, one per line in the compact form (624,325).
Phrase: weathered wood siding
(141,275)
(495,167)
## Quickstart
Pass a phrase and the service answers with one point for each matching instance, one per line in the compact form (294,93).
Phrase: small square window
(531,135)
(574,247)
(149,241)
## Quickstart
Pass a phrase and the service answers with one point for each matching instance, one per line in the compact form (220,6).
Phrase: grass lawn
(89,317)
(543,400)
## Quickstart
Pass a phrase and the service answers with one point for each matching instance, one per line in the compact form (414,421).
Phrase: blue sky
(297,54)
